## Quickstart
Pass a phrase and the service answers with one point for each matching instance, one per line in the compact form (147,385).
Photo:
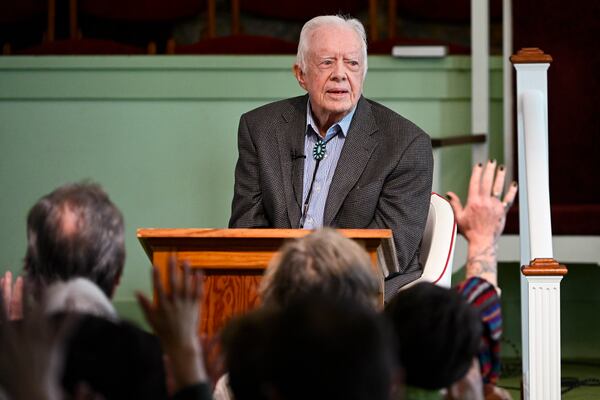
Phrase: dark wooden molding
(392,17)
(211,17)
(530,55)
(458,140)
(73,22)
(544,267)
(236,28)
(51,21)
(373,25)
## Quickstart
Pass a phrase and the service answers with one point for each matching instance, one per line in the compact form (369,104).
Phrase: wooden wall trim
(458,140)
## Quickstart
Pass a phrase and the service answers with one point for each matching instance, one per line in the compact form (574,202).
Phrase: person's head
(331,64)
(116,359)
(322,262)
(438,334)
(315,347)
(75,231)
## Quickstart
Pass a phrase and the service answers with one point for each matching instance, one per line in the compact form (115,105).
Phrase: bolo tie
(319,152)
(320,149)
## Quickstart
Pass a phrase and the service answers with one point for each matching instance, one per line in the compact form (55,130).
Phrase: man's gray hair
(323,262)
(75,231)
(330,20)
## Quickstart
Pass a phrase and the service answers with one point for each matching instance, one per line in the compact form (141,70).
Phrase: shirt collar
(343,124)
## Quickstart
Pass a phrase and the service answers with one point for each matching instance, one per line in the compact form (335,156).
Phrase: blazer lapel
(290,139)
(357,150)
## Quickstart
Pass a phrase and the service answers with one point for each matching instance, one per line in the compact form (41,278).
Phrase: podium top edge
(253,233)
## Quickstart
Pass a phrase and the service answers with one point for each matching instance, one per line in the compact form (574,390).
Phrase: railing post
(541,274)
(480,75)
(507,89)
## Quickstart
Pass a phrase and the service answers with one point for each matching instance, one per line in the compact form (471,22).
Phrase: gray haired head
(329,20)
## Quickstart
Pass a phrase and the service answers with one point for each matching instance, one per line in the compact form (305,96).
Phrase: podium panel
(233,261)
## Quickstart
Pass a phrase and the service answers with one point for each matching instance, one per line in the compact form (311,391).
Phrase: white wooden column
(541,274)
(507,88)
(480,76)
(541,380)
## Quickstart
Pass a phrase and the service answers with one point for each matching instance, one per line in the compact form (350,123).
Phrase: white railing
(480,75)
(536,168)
(541,274)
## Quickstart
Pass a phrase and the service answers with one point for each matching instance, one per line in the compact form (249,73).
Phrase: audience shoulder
(78,295)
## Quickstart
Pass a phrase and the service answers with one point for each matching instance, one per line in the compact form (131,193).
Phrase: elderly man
(333,157)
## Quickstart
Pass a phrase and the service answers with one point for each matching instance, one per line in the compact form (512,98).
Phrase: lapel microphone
(296,155)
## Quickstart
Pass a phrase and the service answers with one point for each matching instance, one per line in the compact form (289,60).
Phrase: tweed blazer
(382,179)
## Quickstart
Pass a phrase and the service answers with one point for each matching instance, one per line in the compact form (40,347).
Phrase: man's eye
(327,62)
(353,63)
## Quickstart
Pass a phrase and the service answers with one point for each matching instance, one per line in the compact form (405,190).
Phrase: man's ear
(299,74)
(116,283)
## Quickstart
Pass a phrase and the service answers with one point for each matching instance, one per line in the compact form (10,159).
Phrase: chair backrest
(437,245)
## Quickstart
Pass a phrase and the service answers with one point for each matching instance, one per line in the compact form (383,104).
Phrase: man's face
(334,72)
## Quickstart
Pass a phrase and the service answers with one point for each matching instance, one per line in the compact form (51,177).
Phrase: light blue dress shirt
(337,133)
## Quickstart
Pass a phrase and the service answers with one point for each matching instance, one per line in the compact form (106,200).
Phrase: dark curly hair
(438,334)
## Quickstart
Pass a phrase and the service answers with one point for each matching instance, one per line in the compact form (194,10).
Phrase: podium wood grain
(233,261)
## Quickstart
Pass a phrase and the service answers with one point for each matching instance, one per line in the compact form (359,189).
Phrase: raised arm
(32,355)
(482,219)
(174,318)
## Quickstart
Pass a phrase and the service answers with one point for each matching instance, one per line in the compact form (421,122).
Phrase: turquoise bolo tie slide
(319,150)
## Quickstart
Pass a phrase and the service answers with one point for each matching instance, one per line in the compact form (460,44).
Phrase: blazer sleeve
(247,206)
(403,204)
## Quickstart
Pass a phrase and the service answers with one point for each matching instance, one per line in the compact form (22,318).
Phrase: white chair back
(437,245)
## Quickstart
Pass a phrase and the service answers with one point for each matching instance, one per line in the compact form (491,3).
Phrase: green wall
(159,133)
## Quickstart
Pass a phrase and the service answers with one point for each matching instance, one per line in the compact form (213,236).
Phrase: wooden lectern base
(233,261)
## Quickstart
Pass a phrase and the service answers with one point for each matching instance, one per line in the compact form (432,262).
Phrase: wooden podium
(233,261)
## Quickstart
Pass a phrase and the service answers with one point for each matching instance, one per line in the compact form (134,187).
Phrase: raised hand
(174,318)
(482,219)
(484,215)
(32,355)
(12,295)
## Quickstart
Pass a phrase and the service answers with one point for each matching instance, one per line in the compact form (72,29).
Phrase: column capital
(544,267)
(530,55)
